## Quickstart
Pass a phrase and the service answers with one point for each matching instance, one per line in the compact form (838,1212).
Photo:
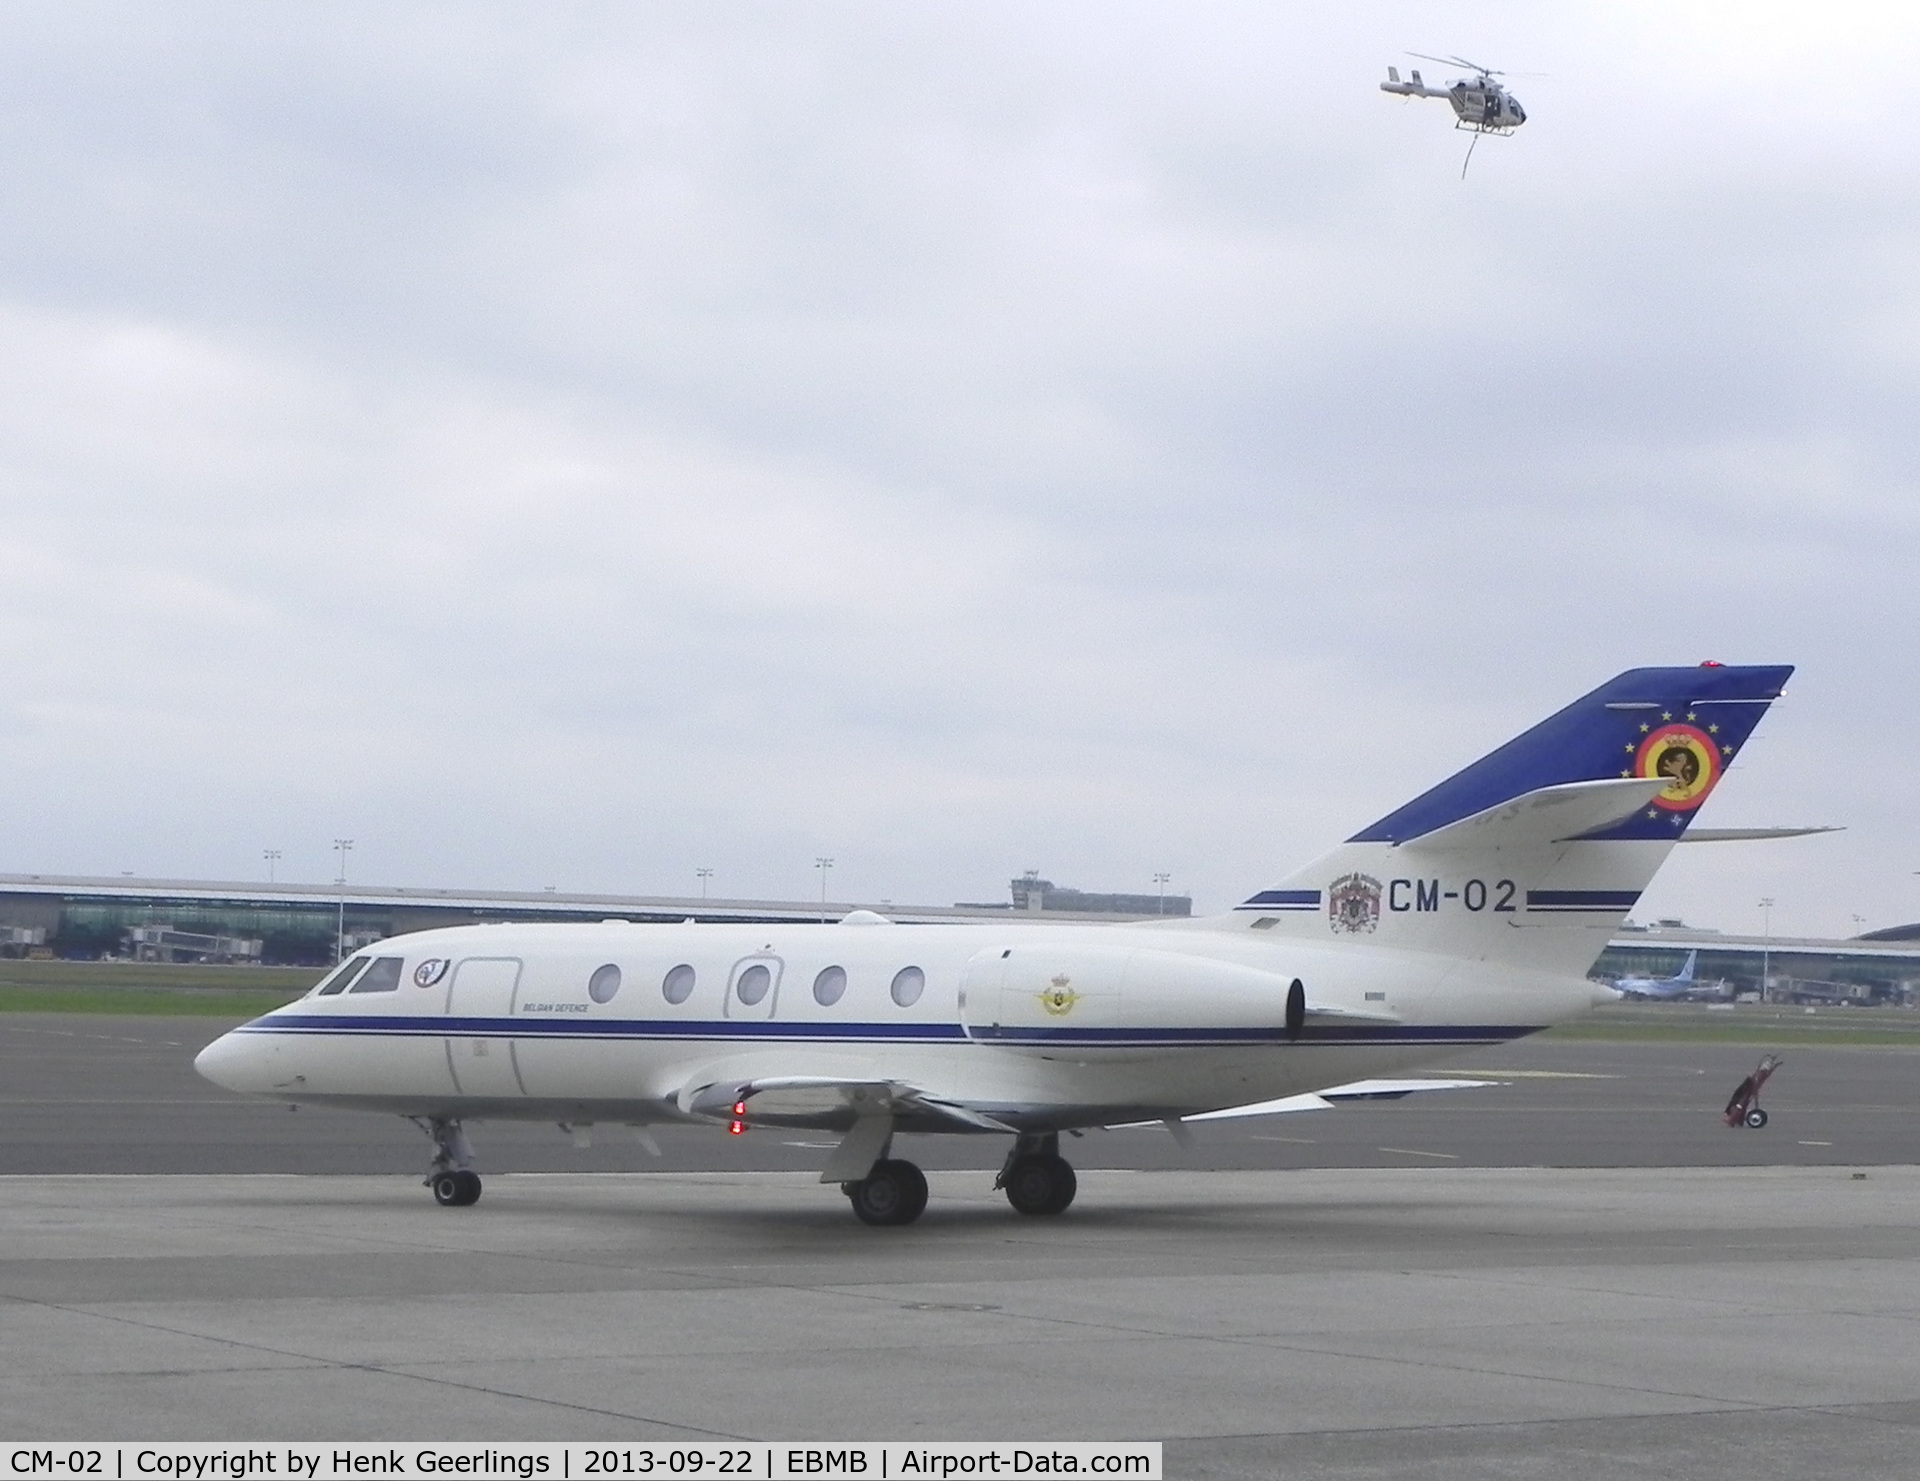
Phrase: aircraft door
(480,1002)
(752,988)
(980,992)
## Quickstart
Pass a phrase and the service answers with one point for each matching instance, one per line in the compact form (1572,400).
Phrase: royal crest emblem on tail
(1353,903)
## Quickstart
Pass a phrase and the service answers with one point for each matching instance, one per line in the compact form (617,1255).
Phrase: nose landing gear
(454,1182)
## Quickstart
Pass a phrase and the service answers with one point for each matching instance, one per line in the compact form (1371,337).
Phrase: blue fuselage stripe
(629,1030)
(1582,899)
(1284,900)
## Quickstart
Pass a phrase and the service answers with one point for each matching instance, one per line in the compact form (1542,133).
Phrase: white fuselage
(1039,1026)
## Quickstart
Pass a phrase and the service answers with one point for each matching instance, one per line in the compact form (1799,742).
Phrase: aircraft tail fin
(1533,854)
(1682,724)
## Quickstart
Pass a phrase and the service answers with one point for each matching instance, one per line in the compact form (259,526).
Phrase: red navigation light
(1711,663)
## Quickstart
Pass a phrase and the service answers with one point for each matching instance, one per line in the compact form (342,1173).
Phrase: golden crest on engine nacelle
(1057,997)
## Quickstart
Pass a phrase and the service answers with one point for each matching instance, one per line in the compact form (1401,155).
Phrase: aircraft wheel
(1041,1184)
(455,1189)
(1756,1118)
(895,1192)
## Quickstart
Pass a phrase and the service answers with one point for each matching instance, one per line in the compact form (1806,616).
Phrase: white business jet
(1469,916)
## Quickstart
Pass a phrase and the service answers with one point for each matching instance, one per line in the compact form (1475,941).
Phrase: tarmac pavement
(1578,1272)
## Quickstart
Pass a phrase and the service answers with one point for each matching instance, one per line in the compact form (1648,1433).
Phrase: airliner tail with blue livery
(1468,916)
(1665,989)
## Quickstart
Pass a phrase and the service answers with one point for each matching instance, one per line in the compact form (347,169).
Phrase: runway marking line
(1524,1075)
(1816,1144)
(1416,1152)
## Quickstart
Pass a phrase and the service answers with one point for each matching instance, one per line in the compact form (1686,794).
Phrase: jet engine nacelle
(1052,993)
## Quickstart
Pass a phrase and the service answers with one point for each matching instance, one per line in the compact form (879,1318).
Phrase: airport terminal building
(1875,970)
(306,925)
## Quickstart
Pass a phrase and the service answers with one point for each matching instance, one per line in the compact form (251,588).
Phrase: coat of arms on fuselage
(1353,903)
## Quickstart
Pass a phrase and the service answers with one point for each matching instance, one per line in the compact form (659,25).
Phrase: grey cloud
(572,444)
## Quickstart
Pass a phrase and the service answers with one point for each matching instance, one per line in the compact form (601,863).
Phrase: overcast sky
(580,444)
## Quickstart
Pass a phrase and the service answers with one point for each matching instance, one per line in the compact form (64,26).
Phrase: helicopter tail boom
(1411,89)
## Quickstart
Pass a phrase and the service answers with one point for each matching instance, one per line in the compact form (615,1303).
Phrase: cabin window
(343,976)
(829,985)
(604,983)
(678,986)
(753,984)
(908,984)
(382,976)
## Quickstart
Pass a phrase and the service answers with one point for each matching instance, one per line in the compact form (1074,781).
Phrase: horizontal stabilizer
(1545,815)
(1747,835)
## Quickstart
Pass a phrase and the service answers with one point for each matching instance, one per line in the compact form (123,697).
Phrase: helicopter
(1481,105)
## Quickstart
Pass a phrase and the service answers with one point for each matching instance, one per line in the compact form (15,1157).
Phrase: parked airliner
(1662,988)
(1469,916)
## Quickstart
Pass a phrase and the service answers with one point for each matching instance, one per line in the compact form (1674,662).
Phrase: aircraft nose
(234,1061)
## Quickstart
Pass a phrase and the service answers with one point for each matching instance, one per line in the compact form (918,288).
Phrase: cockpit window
(382,976)
(338,982)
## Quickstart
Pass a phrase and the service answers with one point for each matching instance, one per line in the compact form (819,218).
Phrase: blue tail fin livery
(1677,986)
(1532,854)
(1680,724)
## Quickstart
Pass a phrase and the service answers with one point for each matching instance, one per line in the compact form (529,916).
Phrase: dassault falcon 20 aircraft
(1468,916)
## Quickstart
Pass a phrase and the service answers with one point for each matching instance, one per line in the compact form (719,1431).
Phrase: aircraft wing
(812,1099)
(1321,1100)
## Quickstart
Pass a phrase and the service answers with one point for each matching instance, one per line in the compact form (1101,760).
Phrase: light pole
(341,846)
(1161,881)
(823,864)
(272,856)
(705,875)
(1766,948)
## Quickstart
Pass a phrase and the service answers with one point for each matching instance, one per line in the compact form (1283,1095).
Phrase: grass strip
(151,1002)
(1762,1024)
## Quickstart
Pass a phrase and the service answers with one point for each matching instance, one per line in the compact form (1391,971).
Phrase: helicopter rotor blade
(1458,62)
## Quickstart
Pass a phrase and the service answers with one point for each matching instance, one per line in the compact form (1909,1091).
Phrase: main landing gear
(1036,1178)
(454,1182)
(893,1192)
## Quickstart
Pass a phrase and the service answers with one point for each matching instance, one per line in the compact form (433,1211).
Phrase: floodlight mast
(341,846)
